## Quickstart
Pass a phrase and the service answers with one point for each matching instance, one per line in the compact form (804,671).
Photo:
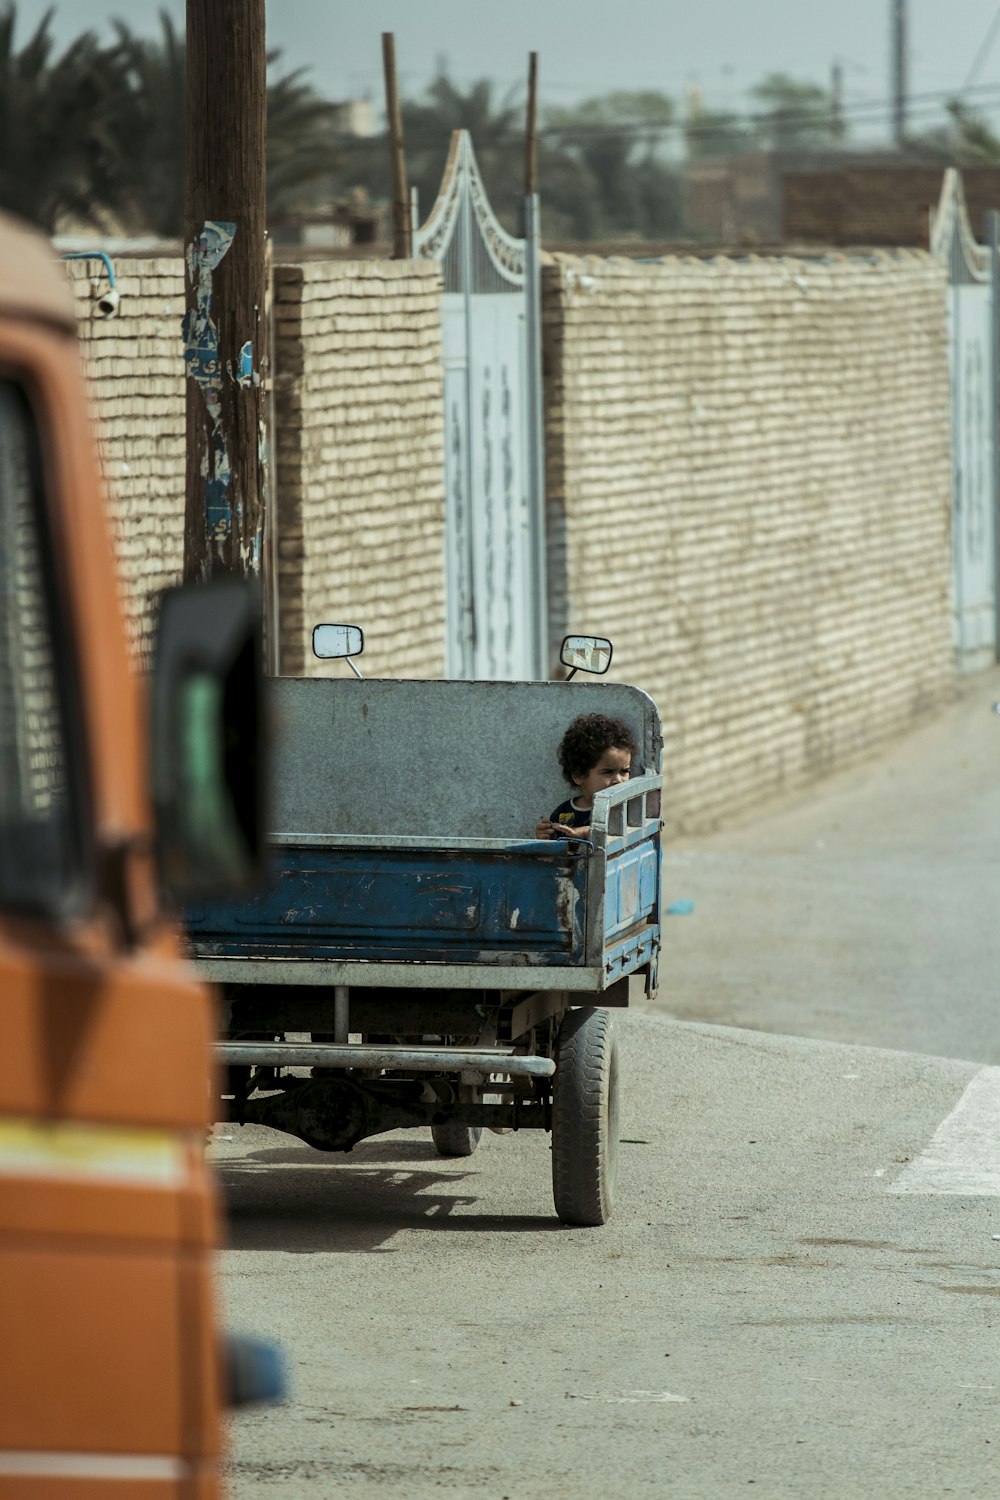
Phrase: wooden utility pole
(225,338)
(531,129)
(899,85)
(402,218)
(837,127)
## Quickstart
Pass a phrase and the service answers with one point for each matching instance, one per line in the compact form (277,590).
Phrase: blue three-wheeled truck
(416,957)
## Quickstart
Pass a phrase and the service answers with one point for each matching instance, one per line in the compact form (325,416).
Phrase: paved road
(797,1295)
(762,1311)
(867,910)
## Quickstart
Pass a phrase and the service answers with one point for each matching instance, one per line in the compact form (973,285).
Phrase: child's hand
(546,829)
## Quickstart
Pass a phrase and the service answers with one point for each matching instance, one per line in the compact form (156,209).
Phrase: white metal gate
(495,518)
(972,324)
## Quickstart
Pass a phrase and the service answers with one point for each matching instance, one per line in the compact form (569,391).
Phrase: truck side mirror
(339,642)
(586,653)
(331,642)
(208,753)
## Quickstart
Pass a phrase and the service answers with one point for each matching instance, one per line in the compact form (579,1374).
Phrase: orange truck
(111,1380)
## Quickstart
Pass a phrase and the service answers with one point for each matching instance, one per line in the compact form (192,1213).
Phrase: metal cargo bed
(416,954)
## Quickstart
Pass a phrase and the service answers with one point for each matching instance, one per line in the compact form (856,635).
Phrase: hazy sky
(721,47)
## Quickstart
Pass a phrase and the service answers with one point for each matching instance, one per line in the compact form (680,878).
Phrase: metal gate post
(470,614)
(993,240)
(973,364)
(536,436)
(498,534)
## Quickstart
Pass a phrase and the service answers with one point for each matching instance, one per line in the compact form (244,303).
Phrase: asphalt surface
(866,910)
(762,1311)
(797,1294)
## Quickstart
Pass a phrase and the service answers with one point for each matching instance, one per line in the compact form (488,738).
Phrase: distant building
(356,117)
(734,198)
(887,204)
(335,226)
(767,197)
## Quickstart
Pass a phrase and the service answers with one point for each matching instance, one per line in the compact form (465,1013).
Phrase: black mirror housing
(335,642)
(586,653)
(208,751)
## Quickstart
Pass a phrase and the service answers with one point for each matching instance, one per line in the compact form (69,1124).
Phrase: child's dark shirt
(573,817)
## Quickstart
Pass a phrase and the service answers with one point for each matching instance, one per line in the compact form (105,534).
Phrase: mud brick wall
(360,462)
(358,449)
(874,205)
(749,490)
(135,370)
(748,473)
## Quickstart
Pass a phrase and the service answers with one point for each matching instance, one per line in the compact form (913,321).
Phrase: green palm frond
(54,148)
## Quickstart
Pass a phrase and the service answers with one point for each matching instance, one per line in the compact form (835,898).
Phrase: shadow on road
(302,1201)
(367,1151)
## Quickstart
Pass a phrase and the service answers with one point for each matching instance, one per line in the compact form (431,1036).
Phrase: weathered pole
(531,228)
(531,129)
(837,127)
(402,218)
(899,69)
(225,338)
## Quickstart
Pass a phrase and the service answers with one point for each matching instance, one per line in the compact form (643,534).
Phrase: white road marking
(625,1397)
(963,1156)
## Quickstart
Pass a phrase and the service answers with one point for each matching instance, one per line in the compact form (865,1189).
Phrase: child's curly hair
(586,740)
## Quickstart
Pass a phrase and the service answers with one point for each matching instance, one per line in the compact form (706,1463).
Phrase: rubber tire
(585,1123)
(456,1140)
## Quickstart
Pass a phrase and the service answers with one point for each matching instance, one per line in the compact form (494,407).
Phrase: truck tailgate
(518,904)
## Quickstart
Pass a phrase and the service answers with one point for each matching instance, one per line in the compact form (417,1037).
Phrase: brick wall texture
(749,490)
(360,461)
(135,371)
(889,205)
(358,447)
(748,476)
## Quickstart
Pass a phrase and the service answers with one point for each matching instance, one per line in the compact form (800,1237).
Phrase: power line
(875,111)
(869,112)
(744,129)
(983,52)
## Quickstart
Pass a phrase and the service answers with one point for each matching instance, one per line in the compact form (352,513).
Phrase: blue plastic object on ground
(254,1370)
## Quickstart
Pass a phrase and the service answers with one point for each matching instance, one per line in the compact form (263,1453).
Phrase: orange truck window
(40,843)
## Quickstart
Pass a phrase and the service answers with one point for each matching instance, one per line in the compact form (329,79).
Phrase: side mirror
(207,744)
(339,642)
(331,641)
(586,653)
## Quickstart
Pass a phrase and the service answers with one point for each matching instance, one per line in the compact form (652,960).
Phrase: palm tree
(150,108)
(496,131)
(795,114)
(151,129)
(616,140)
(301,143)
(717,132)
(56,151)
(973,139)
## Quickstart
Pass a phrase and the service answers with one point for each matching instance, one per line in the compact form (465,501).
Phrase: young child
(596,752)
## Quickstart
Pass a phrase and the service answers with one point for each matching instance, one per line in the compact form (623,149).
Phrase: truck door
(108,1374)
